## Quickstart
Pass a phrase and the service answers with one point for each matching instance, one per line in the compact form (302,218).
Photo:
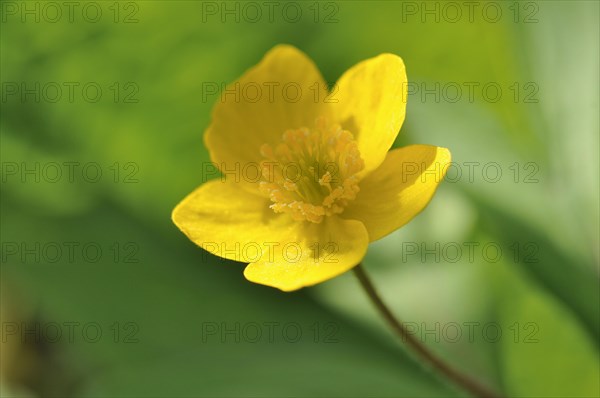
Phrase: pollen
(311,173)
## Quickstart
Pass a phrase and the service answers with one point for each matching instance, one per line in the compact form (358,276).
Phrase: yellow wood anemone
(307,176)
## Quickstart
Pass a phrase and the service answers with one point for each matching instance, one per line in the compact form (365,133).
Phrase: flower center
(312,173)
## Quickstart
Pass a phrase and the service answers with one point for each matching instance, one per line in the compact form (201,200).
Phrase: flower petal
(228,221)
(370,102)
(399,189)
(292,94)
(317,252)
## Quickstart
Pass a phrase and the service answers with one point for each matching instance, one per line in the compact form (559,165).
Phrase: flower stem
(462,380)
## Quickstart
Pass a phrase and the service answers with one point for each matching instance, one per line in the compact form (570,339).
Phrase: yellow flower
(307,180)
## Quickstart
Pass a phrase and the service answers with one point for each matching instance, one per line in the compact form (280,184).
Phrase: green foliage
(174,289)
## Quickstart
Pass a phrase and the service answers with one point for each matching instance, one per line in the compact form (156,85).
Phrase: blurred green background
(154,296)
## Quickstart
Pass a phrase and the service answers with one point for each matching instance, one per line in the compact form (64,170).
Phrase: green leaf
(155,316)
(546,353)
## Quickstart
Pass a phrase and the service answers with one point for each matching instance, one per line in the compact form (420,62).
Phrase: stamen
(311,174)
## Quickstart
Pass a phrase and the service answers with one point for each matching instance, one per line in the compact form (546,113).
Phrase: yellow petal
(292,94)
(399,189)
(371,104)
(313,254)
(229,222)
